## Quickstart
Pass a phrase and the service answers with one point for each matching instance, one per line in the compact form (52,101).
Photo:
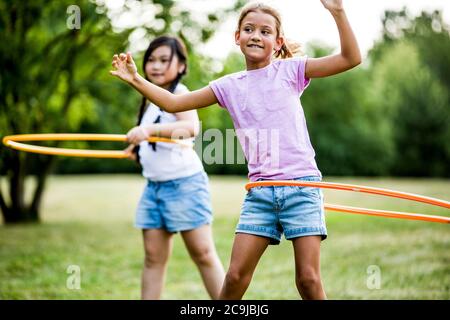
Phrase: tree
(411,82)
(218,118)
(54,78)
(347,131)
(54,51)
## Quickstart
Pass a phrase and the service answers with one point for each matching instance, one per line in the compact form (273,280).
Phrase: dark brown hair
(177,48)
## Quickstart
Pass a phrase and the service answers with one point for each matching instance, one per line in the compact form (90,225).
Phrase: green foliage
(411,86)
(346,130)
(387,117)
(47,68)
(216,117)
(54,78)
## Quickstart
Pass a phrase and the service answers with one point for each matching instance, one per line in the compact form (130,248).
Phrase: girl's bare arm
(349,57)
(125,69)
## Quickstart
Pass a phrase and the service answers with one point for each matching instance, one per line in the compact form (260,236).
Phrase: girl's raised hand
(124,67)
(333,5)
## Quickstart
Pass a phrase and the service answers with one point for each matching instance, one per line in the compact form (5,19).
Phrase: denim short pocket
(185,188)
(251,192)
(193,183)
(310,192)
(313,192)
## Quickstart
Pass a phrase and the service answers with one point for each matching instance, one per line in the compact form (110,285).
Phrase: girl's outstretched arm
(125,69)
(349,57)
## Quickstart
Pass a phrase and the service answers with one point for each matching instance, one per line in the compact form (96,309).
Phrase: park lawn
(87,221)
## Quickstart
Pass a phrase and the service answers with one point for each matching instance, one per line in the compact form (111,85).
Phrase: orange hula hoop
(364,189)
(12,142)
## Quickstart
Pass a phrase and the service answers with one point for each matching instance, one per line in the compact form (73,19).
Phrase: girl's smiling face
(161,69)
(258,39)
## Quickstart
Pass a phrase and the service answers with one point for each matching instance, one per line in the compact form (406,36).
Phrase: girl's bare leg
(307,267)
(246,252)
(158,247)
(200,245)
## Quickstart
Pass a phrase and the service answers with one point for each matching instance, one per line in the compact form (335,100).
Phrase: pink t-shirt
(269,119)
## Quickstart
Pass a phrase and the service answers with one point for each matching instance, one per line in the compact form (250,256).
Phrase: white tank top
(166,161)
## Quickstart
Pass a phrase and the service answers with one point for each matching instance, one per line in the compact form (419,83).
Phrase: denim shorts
(274,210)
(175,205)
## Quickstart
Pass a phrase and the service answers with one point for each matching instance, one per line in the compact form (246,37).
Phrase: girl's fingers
(122,56)
(129,58)
(131,138)
(130,148)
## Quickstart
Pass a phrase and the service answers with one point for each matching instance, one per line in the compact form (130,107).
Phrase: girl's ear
(237,36)
(279,43)
(181,68)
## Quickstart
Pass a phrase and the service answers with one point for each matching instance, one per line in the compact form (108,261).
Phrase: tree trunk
(18,211)
(20,216)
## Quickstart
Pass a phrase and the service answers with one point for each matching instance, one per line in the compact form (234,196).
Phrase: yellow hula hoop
(12,142)
(364,189)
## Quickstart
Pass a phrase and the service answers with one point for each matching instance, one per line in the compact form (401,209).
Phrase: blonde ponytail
(288,50)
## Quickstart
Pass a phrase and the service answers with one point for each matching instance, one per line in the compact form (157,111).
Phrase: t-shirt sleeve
(218,87)
(302,81)
(181,89)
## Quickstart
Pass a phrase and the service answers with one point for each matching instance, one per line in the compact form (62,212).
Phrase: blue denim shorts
(175,205)
(295,211)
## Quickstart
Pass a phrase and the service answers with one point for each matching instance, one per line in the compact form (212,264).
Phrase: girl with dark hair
(176,197)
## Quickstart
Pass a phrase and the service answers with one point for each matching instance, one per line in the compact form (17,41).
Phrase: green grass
(88,222)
